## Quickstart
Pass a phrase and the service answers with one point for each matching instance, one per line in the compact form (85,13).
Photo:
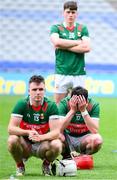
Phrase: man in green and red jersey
(34,128)
(71,41)
(81,121)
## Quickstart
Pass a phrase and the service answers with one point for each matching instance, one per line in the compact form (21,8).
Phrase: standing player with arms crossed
(71,41)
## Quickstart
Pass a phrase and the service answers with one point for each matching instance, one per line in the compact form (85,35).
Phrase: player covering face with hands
(81,121)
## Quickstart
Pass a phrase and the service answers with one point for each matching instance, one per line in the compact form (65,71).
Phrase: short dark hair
(72,5)
(37,79)
(80,91)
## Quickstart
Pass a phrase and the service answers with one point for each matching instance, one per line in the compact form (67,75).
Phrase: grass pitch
(105,161)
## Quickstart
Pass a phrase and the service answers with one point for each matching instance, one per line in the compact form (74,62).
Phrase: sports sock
(21,164)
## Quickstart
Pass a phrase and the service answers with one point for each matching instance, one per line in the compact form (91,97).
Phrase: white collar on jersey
(65,25)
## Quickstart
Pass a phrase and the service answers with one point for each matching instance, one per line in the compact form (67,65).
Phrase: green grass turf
(105,161)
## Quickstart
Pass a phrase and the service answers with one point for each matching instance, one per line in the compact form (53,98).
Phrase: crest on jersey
(79,34)
(41,116)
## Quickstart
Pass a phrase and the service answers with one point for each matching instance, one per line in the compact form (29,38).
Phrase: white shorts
(63,83)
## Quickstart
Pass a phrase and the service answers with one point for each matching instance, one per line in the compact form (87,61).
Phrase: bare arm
(54,133)
(92,124)
(63,43)
(14,129)
(83,47)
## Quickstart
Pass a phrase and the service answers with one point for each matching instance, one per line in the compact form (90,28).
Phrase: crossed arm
(77,46)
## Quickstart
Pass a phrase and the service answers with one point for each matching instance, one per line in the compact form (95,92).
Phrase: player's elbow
(87,49)
(94,130)
(57,133)
(56,43)
(9,130)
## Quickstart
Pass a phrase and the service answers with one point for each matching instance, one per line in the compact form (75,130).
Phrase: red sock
(46,162)
(21,164)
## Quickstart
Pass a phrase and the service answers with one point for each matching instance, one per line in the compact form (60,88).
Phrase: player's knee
(43,148)
(98,142)
(56,145)
(12,141)
(45,145)
(93,144)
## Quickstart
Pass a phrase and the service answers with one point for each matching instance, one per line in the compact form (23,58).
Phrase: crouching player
(81,122)
(34,128)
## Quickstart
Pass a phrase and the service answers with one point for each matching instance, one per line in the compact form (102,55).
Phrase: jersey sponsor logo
(40,128)
(77,128)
